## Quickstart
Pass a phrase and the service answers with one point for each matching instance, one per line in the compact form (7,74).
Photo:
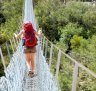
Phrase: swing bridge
(48,66)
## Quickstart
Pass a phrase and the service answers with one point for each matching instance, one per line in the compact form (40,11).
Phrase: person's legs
(28,60)
(32,61)
(30,56)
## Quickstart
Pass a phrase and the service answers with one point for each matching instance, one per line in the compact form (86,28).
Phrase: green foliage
(87,52)
(52,15)
(75,41)
(69,31)
(11,8)
(10,26)
(85,82)
(89,22)
(65,74)
(11,12)
(1,69)
(64,82)
(46,12)
(75,11)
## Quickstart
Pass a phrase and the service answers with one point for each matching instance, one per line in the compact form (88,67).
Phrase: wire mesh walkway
(42,79)
(31,83)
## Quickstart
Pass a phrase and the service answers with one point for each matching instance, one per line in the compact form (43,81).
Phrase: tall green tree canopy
(10,15)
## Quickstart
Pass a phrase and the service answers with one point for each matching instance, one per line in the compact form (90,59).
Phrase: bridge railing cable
(7,57)
(6,51)
(45,78)
(71,75)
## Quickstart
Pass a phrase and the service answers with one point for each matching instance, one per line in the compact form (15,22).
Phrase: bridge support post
(12,46)
(2,59)
(17,38)
(41,41)
(8,51)
(58,63)
(46,49)
(75,76)
(43,44)
(50,60)
(14,42)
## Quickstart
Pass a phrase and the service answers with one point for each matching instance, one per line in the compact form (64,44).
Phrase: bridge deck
(31,83)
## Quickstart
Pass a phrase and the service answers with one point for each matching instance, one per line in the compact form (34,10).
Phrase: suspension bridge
(46,76)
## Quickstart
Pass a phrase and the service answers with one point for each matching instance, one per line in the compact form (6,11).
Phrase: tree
(46,13)
(69,31)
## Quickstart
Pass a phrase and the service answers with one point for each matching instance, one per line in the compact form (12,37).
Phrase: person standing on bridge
(29,42)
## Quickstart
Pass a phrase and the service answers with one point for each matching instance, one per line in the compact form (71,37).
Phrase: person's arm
(40,31)
(18,35)
(36,33)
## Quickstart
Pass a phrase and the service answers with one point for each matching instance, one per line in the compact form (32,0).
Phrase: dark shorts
(29,49)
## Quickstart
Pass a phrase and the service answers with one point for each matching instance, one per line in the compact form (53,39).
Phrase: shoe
(30,74)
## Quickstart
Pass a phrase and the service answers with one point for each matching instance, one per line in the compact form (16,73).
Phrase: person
(29,51)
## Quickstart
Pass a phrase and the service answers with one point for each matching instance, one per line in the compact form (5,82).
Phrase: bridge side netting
(14,74)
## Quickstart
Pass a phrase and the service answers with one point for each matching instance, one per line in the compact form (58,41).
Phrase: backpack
(29,36)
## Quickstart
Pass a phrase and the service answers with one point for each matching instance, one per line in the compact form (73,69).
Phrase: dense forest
(70,25)
(10,16)
(74,27)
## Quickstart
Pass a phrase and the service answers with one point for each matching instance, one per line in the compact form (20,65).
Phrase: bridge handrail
(44,44)
(72,59)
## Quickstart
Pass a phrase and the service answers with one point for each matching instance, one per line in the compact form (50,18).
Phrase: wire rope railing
(71,75)
(6,51)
